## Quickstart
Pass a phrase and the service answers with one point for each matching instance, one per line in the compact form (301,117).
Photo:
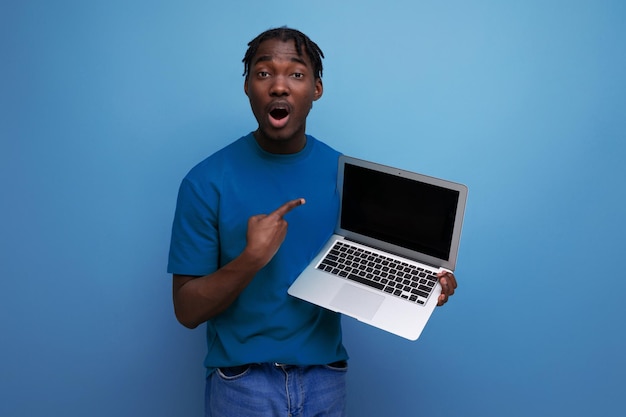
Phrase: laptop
(395,231)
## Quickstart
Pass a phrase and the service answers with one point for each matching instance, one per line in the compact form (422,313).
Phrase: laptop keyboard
(386,274)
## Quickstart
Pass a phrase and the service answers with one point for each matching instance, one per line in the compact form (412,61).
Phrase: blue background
(105,105)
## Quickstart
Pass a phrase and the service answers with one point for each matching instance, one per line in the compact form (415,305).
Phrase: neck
(282,146)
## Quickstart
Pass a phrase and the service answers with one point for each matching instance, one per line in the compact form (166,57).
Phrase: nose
(279,87)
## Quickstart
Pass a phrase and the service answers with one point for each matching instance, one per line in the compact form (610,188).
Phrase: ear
(319,89)
(245,86)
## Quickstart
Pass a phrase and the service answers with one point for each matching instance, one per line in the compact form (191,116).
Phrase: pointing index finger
(288,206)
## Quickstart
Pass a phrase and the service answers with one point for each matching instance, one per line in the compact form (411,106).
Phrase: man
(232,258)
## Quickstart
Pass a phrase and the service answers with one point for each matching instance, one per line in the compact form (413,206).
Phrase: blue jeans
(260,390)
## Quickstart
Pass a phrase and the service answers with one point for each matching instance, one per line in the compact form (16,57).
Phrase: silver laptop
(395,231)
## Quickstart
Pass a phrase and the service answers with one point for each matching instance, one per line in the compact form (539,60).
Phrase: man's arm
(198,299)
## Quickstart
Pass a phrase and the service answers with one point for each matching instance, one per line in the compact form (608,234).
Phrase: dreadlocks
(285,34)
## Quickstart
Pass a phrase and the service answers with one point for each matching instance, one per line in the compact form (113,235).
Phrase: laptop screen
(398,210)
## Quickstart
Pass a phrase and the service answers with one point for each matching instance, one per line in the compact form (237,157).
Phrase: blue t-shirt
(215,200)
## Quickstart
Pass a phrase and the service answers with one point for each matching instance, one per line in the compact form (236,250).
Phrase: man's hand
(266,232)
(448,285)
(198,299)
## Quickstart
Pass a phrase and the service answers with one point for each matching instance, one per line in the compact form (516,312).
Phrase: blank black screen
(398,210)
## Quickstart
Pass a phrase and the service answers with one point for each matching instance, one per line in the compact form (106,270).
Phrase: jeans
(266,389)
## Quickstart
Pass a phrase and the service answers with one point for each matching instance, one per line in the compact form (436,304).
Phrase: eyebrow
(268,58)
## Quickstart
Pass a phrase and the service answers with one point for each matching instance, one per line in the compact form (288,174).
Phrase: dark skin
(281,86)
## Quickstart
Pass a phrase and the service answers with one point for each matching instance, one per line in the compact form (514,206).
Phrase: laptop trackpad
(357,301)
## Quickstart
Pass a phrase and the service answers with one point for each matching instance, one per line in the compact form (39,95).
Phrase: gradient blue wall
(106,104)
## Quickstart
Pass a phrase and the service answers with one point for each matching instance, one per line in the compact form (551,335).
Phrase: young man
(232,258)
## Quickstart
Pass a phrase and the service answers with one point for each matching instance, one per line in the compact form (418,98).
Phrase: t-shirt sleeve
(194,246)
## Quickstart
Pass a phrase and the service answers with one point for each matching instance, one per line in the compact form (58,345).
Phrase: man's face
(282,87)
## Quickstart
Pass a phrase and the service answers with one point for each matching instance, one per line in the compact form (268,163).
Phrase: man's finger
(449,277)
(287,207)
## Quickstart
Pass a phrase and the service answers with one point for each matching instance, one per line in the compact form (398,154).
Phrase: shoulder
(323,154)
(221,162)
(323,147)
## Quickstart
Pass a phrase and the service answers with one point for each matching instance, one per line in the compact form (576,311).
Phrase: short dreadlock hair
(286,34)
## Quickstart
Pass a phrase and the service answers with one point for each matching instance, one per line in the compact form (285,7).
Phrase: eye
(297,75)
(263,74)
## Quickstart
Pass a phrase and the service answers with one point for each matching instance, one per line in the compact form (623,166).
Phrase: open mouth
(279,113)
